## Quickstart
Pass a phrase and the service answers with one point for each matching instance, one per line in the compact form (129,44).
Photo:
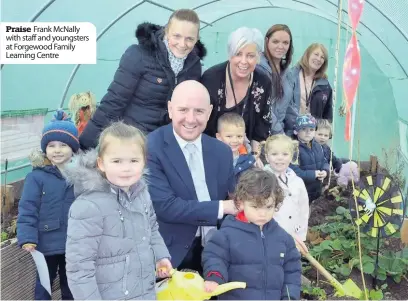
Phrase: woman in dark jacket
(147,75)
(312,93)
(235,86)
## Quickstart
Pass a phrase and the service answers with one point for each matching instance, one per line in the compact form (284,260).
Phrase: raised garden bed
(18,274)
(18,271)
(332,241)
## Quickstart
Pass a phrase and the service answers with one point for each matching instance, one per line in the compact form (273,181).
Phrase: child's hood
(39,161)
(83,173)
(38,158)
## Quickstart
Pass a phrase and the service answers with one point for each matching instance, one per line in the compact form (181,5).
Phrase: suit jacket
(171,187)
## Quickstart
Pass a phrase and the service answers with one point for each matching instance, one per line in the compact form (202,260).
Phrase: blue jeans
(55,263)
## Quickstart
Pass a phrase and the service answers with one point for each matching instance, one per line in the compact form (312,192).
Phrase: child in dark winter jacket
(43,208)
(114,246)
(252,247)
(323,135)
(311,164)
(344,172)
(231,131)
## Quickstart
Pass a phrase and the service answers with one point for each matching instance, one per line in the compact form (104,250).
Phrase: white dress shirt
(182,143)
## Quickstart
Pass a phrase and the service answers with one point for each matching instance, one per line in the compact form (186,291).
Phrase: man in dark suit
(190,176)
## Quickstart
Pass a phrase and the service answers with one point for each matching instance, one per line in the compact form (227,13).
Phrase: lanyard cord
(233,92)
(308,95)
(284,182)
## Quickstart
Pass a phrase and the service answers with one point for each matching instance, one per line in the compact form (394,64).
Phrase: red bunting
(352,63)
(355,9)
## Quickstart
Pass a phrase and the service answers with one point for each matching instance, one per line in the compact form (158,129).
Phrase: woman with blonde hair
(147,74)
(312,93)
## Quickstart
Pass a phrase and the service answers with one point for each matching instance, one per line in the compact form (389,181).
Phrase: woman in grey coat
(113,245)
(275,61)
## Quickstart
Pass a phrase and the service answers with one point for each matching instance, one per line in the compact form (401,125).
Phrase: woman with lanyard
(235,86)
(312,93)
(147,75)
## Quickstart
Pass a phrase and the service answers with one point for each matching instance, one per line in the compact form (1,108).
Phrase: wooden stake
(373,164)
(9,202)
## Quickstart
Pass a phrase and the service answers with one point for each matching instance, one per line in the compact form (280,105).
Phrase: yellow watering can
(190,286)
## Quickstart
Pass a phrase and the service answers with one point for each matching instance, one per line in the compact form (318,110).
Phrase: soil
(325,206)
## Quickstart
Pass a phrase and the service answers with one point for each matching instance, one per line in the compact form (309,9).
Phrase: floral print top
(255,109)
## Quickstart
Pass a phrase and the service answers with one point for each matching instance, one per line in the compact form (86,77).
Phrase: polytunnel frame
(344,25)
(74,71)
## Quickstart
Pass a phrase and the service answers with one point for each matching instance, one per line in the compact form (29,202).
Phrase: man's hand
(229,207)
(163,268)
(210,286)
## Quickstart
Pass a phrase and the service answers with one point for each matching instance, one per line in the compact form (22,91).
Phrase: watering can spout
(227,287)
(190,286)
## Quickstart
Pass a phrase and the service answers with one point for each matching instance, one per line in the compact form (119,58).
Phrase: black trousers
(55,263)
(192,261)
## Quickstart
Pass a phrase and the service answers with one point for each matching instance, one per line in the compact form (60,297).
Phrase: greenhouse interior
(370,129)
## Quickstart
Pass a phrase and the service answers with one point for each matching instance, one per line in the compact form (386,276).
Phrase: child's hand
(320,174)
(29,247)
(163,268)
(210,286)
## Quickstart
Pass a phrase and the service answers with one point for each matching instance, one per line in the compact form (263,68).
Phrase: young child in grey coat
(114,246)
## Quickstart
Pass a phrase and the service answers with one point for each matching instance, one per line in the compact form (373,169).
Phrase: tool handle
(323,271)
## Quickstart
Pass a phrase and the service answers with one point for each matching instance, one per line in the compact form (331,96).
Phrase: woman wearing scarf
(147,75)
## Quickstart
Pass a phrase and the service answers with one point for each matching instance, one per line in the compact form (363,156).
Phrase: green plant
(314,291)
(372,295)
(338,252)
(4,236)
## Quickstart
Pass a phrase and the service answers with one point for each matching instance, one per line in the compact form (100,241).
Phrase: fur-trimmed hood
(82,173)
(148,35)
(38,158)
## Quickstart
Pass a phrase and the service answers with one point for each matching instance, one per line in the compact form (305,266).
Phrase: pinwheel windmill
(380,207)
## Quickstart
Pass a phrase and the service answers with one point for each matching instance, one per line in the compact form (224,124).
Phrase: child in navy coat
(252,247)
(311,164)
(231,131)
(43,209)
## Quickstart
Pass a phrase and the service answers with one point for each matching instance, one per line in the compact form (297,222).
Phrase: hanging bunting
(355,9)
(352,63)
